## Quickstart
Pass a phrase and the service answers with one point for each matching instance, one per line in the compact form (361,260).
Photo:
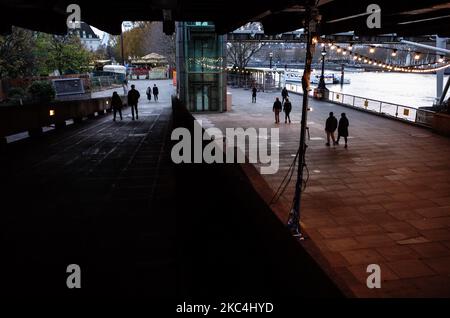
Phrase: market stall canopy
(403,17)
(154,58)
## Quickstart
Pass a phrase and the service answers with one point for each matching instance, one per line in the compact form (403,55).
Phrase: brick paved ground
(106,196)
(384,200)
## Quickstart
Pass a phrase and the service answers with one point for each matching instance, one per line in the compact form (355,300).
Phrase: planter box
(441,124)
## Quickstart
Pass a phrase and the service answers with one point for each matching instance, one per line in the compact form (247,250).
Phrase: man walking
(284,94)
(277,109)
(343,129)
(330,127)
(155,92)
(133,98)
(287,110)
(254,90)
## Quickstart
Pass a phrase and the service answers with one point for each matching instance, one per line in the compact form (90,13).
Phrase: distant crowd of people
(331,124)
(133,96)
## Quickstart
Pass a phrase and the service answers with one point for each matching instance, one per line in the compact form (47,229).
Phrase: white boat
(330,78)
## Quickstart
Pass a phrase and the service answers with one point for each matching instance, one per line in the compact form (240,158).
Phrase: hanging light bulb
(322,44)
(339,50)
(344,52)
(441,59)
(372,49)
(365,61)
(355,57)
(394,53)
(350,47)
(332,47)
(417,56)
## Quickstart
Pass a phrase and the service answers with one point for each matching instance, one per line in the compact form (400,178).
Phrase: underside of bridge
(403,17)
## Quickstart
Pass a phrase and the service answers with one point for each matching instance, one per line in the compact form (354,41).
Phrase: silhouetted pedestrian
(116,104)
(277,109)
(284,94)
(133,99)
(254,90)
(287,107)
(155,92)
(343,129)
(330,127)
(149,93)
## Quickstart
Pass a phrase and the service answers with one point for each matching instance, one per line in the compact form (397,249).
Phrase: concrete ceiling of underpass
(403,17)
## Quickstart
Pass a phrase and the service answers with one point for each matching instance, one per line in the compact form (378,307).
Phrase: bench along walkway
(385,200)
(107,197)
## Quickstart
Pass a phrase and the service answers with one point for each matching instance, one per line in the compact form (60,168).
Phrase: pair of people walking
(153,90)
(133,99)
(342,127)
(278,107)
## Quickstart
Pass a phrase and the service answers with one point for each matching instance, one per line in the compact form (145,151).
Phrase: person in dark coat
(277,109)
(343,129)
(133,99)
(116,103)
(284,94)
(287,110)
(155,92)
(254,90)
(149,93)
(330,127)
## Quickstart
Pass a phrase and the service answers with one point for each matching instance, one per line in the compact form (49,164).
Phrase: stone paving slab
(385,199)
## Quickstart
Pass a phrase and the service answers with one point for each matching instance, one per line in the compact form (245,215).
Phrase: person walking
(254,90)
(287,107)
(133,99)
(149,93)
(125,86)
(116,103)
(343,129)
(284,94)
(277,109)
(155,92)
(330,127)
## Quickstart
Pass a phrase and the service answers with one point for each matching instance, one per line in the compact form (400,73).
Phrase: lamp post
(322,75)
(270,58)
(121,44)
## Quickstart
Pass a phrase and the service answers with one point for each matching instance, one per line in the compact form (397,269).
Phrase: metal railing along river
(417,115)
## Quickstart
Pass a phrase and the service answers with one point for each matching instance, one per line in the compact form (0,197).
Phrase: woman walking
(343,129)
(116,103)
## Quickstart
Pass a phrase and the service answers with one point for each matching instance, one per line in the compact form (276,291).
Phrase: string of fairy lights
(439,64)
(216,64)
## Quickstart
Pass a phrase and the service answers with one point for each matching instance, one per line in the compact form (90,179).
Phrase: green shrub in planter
(42,91)
(17,93)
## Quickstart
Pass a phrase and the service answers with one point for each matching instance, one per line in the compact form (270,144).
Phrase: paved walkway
(106,196)
(384,200)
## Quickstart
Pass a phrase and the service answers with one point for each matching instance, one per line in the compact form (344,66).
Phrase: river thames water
(413,90)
